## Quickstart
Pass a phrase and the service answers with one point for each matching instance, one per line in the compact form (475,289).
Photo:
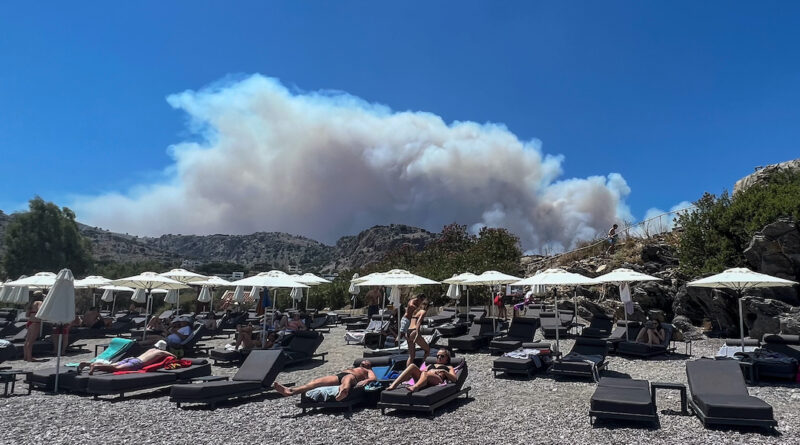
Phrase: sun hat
(161,344)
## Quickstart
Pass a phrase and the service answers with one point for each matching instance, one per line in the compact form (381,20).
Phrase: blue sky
(678,98)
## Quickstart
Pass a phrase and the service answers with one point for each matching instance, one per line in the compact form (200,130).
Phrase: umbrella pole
(92,292)
(146,316)
(575,303)
(308,295)
(113,302)
(58,360)
(741,320)
(211,303)
(264,321)
(558,319)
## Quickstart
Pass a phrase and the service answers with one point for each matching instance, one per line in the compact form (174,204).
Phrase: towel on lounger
(115,348)
(323,393)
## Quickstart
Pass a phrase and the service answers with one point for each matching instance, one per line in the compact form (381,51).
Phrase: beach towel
(323,393)
(167,363)
(115,349)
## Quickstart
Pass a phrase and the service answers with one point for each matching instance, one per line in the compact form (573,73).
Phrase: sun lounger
(120,384)
(376,324)
(600,326)
(535,310)
(427,399)
(478,336)
(719,395)
(453,329)
(402,348)
(446,316)
(522,330)
(778,357)
(526,360)
(255,376)
(618,335)
(69,379)
(623,399)
(643,350)
(586,359)
(551,323)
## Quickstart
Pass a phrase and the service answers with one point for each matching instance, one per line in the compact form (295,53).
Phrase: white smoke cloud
(659,221)
(324,165)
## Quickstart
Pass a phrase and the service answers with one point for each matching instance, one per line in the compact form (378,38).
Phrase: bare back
(412,308)
(153,356)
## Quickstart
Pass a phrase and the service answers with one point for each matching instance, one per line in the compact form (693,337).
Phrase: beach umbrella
(171,297)
(111,288)
(183,276)
(149,281)
(557,277)
(59,308)
(108,296)
(139,296)
(5,291)
(740,279)
(296,295)
(491,278)
(273,279)
(205,295)
(459,279)
(213,283)
(19,295)
(238,294)
(309,279)
(623,277)
(395,278)
(42,280)
(91,282)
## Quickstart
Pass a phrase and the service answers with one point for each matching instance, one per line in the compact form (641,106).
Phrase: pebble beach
(500,410)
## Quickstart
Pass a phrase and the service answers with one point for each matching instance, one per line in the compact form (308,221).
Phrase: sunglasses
(441,355)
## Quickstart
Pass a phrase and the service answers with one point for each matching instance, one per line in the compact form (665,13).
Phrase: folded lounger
(255,376)
(106,384)
(476,313)
(520,361)
(719,395)
(445,316)
(427,399)
(623,399)
(375,325)
(453,329)
(69,379)
(522,330)
(551,323)
(478,336)
(623,331)
(302,347)
(600,326)
(643,350)
(586,359)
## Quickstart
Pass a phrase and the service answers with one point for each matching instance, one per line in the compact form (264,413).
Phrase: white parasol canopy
(139,296)
(59,307)
(740,279)
(19,295)
(395,277)
(309,277)
(41,280)
(212,282)
(459,279)
(490,278)
(272,279)
(149,281)
(184,276)
(205,295)
(238,294)
(5,291)
(114,288)
(557,277)
(623,277)
(91,282)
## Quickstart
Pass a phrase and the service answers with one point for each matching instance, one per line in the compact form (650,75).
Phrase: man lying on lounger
(154,355)
(436,374)
(346,380)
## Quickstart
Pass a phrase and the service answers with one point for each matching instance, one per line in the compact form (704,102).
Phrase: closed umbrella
(309,279)
(556,277)
(238,294)
(623,277)
(213,283)
(139,296)
(254,291)
(296,295)
(5,291)
(148,281)
(111,288)
(739,280)
(59,307)
(459,279)
(172,297)
(205,295)
(183,276)
(353,291)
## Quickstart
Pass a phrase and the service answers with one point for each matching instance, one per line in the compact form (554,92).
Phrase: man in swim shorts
(345,380)
(154,355)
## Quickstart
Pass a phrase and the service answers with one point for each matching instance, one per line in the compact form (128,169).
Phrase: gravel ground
(540,410)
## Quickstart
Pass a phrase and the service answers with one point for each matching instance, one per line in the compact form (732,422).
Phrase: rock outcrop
(763,175)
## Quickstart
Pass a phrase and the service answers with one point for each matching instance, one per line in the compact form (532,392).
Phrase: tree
(45,238)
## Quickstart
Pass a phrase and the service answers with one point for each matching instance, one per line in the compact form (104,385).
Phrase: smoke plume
(324,165)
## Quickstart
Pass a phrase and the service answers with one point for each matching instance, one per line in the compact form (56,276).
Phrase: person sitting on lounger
(156,325)
(436,374)
(154,355)
(92,319)
(296,323)
(652,334)
(179,331)
(346,380)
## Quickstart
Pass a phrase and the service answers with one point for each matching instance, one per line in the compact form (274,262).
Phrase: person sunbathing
(346,380)
(154,355)
(436,374)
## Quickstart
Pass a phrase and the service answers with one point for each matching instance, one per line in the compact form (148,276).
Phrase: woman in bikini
(414,337)
(34,326)
(346,380)
(436,374)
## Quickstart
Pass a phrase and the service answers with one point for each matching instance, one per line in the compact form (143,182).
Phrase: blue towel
(323,393)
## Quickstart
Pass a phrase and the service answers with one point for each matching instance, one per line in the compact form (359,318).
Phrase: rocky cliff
(763,174)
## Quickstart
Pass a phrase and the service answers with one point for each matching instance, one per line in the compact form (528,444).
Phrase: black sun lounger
(623,399)
(600,326)
(778,357)
(478,336)
(427,399)
(522,330)
(255,376)
(720,397)
(302,347)
(643,350)
(517,365)
(550,324)
(443,317)
(623,331)
(586,359)
(120,384)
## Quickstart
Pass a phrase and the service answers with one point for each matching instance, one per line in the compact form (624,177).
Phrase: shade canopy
(741,278)
(172,296)
(490,278)
(41,279)
(5,292)
(296,294)
(108,296)
(624,276)
(394,296)
(396,277)
(19,295)
(213,282)
(91,282)
(59,305)
(308,277)
(556,277)
(184,276)
(114,288)
(460,278)
(273,278)
(149,280)
(454,292)
(238,294)
(205,295)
